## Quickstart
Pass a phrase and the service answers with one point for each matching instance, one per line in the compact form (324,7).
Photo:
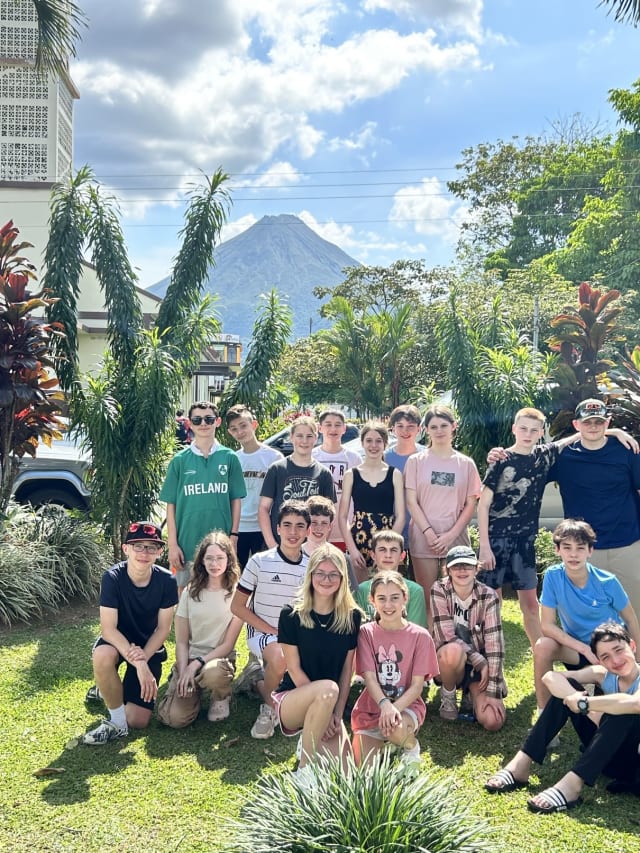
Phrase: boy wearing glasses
(137,599)
(203,491)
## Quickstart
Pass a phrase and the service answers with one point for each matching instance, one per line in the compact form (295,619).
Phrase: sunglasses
(149,529)
(196,420)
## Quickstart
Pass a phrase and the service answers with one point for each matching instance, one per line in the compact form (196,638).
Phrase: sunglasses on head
(196,420)
(149,529)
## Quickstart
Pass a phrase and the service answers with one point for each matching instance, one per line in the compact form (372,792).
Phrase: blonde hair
(344,603)
(304,420)
(528,412)
(382,579)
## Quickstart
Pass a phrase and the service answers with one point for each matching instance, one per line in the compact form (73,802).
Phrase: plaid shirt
(487,641)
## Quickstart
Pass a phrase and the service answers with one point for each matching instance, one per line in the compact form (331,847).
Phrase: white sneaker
(218,710)
(410,760)
(103,733)
(305,778)
(448,707)
(265,725)
(299,748)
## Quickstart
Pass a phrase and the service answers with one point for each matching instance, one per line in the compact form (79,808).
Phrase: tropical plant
(29,403)
(624,10)
(124,413)
(256,385)
(59,26)
(582,336)
(372,808)
(47,558)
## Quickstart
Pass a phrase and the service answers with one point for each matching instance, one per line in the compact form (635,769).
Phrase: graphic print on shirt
(443,478)
(389,673)
(300,488)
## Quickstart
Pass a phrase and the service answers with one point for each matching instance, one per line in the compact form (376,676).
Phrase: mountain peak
(278,251)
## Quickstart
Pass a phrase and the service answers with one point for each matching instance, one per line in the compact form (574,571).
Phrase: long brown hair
(199,575)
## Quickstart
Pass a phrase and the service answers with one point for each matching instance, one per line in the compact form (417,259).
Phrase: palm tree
(59,26)
(624,10)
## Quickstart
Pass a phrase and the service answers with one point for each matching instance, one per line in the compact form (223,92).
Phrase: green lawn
(164,790)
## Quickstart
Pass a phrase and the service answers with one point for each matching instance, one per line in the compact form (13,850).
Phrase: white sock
(414,751)
(448,694)
(118,716)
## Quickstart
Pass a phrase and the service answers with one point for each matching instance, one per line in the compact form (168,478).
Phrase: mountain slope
(278,251)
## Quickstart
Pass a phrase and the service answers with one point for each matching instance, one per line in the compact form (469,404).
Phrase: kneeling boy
(137,599)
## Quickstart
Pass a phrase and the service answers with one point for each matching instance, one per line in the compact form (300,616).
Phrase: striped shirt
(272,581)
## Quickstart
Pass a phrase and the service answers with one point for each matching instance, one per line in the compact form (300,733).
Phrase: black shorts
(248,544)
(130,682)
(515,564)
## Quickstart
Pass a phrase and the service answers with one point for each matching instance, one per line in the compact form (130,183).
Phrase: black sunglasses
(196,420)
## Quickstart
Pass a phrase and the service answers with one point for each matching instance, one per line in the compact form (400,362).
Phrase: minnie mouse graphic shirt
(395,657)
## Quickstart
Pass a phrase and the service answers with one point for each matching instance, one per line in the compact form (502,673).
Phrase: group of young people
(309,553)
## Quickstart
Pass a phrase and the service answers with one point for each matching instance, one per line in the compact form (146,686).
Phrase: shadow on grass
(81,765)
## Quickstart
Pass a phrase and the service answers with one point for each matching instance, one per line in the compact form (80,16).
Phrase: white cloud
(464,15)
(279,175)
(237,226)
(428,210)
(356,141)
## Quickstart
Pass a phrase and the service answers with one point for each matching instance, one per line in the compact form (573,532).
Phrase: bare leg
(426,571)
(310,706)
(451,661)
(105,673)
(274,667)
(365,747)
(545,652)
(528,600)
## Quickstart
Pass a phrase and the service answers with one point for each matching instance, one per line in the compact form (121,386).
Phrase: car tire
(61,497)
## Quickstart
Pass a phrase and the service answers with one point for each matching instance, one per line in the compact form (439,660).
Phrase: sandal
(507,780)
(555,802)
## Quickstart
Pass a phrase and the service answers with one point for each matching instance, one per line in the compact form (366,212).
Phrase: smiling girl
(206,634)
(377,491)
(318,636)
(394,657)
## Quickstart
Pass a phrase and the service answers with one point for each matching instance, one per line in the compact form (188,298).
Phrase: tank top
(376,499)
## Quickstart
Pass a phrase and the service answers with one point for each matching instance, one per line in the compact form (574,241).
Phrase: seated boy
(608,725)
(322,512)
(137,599)
(388,555)
(467,631)
(269,581)
(581,596)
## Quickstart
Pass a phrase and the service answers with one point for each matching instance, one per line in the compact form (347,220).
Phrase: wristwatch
(201,661)
(583,705)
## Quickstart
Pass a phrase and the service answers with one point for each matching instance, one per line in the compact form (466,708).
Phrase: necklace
(319,621)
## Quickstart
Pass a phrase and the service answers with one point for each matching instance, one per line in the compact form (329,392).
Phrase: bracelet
(234,533)
(384,699)
(201,661)
(429,527)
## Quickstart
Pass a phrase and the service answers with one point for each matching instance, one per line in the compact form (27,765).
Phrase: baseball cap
(461,554)
(143,531)
(591,408)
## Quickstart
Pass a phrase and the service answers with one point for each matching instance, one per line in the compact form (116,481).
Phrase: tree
(309,367)
(624,10)
(29,403)
(59,26)
(124,414)
(256,385)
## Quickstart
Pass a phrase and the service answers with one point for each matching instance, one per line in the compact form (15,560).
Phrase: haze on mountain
(278,251)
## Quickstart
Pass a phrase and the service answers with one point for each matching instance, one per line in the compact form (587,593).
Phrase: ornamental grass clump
(47,557)
(377,809)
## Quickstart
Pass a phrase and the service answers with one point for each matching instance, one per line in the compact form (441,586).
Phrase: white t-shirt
(337,463)
(254,467)
(208,618)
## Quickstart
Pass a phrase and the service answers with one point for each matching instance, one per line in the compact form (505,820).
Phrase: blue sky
(348,113)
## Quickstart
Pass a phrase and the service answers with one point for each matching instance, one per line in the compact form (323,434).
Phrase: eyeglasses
(196,420)
(138,547)
(219,558)
(332,577)
(462,567)
(149,529)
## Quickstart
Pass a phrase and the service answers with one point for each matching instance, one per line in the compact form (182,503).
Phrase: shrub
(377,810)
(545,551)
(47,557)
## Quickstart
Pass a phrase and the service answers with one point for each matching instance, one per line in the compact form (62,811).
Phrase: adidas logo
(276,579)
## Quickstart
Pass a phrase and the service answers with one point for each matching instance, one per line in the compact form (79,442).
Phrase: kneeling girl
(394,657)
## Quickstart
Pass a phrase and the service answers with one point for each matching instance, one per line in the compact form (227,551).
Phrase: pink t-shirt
(442,488)
(395,657)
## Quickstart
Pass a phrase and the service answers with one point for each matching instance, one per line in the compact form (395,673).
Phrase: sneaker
(218,710)
(265,725)
(106,731)
(246,681)
(299,748)
(410,760)
(448,707)
(466,704)
(93,694)
(305,778)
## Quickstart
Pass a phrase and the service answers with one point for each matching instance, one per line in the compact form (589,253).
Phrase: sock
(448,694)
(414,752)
(118,717)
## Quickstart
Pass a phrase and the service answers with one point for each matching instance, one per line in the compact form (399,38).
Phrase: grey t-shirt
(287,481)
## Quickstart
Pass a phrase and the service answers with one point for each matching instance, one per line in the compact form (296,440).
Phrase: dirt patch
(75,613)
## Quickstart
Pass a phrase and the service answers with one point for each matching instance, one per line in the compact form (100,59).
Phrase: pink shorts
(277,701)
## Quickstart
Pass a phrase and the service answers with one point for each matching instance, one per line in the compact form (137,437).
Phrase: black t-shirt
(322,651)
(138,606)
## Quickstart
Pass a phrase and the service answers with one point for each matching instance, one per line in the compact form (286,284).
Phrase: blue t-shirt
(601,486)
(580,610)
(398,460)
(611,684)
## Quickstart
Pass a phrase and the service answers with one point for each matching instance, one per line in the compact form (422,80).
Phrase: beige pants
(624,563)
(216,676)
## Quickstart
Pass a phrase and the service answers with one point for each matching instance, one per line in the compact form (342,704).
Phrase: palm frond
(60,23)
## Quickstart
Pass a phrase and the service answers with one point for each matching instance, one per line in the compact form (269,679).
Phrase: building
(36,151)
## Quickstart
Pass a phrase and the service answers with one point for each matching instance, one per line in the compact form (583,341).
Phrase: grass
(164,790)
